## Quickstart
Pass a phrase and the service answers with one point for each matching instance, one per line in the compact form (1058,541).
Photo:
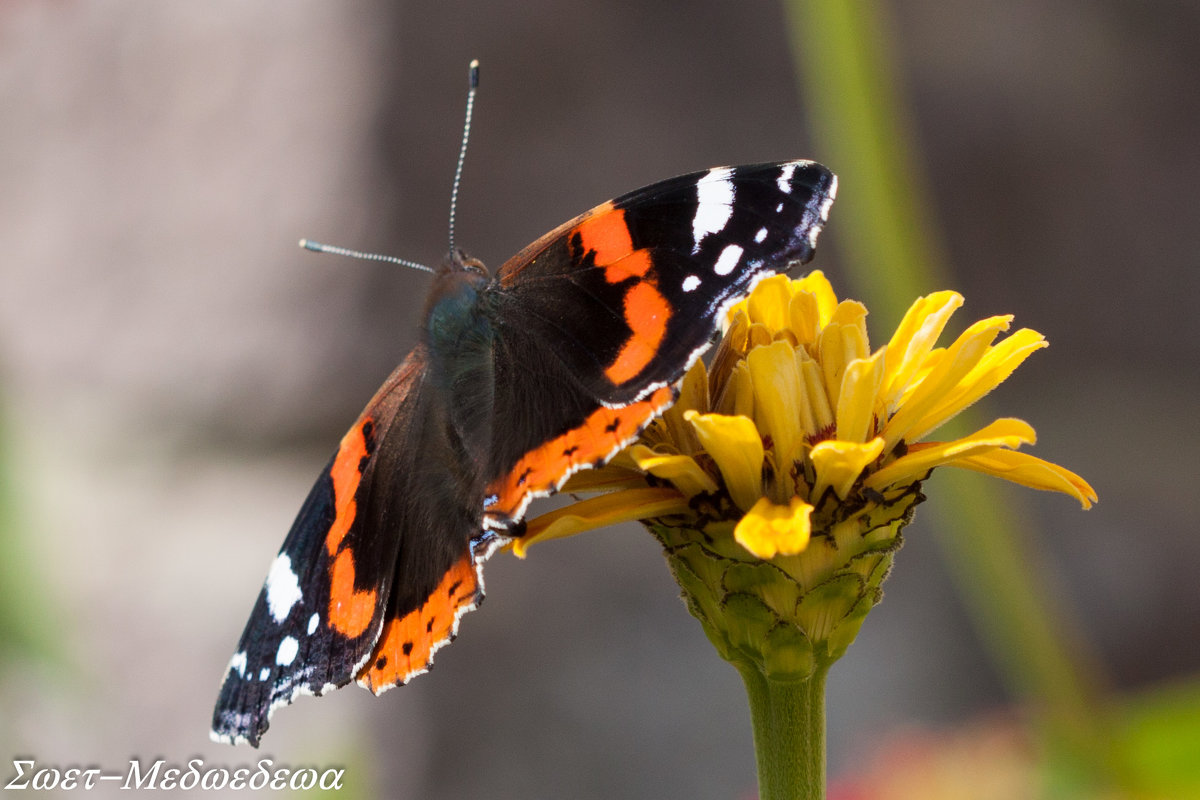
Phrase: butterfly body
(518,380)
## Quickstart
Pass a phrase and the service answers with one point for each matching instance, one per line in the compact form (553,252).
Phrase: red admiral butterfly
(518,380)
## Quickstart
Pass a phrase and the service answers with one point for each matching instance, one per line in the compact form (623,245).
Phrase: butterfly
(518,380)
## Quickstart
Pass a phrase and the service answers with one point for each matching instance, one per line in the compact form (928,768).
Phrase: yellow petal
(736,447)
(788,336)
(734,333)
(768,303)
(693,396)
(921,458)
(915,337)
(858,400)
(682,471)
(693,392)
(777,397)
(605,479)
(743,392)
(1029,471)
(816,284)
(730,352)
(928,365)
(816,415)
(960,358)
(736,397)
(768,530)
(993,369)
(838,464)
(805,317)
(842,340)
(598,512)
(758,335)
(848,312)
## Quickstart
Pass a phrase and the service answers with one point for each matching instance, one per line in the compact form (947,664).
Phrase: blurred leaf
(1160,741)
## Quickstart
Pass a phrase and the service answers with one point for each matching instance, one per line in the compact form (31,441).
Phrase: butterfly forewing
(629,294)
(597,322)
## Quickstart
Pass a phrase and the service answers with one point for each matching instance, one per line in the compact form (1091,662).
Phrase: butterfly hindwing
(427,493)
(352,561)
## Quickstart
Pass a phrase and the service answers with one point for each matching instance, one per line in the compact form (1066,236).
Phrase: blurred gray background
(174,371)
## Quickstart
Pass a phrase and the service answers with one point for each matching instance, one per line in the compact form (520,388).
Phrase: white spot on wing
(761,235)
(313,622)
(287,651)
(784,182)
(238,662)
(283,588)
(823,212)
(690,283)
(266,673)
(727,260)
(714,207)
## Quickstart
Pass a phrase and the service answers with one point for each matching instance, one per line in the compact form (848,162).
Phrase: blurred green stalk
(887,234)
(23,632)
(891,250)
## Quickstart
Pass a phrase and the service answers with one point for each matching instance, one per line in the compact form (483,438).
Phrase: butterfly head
(458,261)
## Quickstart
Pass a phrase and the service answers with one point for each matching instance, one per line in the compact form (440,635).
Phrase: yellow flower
(800,453)
(800,406)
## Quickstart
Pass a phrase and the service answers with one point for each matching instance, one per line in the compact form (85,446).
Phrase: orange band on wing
(605,234)
(646,314)
(541,469)
(350,611)
(406,646)
(634,265)
(346,473)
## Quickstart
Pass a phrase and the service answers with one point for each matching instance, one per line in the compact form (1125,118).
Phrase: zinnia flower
(780,480)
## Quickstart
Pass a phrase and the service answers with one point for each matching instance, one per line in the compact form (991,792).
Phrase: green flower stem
(789,733)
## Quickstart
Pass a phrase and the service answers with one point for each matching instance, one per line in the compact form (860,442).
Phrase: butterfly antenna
(472,87)
(317,247)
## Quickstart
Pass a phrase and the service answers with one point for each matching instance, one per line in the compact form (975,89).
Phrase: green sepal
(747,621)
(765,581)
(788,654)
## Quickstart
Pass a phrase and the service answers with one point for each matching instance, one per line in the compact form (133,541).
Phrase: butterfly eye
(473,265)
